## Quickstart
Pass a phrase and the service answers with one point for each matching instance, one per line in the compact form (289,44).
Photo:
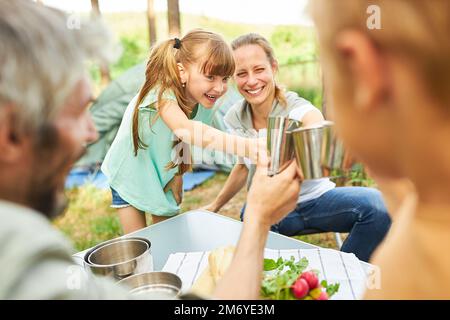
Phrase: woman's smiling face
(254,74)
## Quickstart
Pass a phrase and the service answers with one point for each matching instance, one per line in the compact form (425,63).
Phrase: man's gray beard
(44,194)
(49,201)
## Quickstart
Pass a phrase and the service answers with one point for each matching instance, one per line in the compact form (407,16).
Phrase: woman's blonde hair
(256,39)
(162,72)
(417,29)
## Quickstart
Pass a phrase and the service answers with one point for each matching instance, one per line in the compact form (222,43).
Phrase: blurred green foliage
(294,47)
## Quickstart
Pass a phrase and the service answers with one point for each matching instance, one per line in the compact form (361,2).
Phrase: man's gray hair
(42,57)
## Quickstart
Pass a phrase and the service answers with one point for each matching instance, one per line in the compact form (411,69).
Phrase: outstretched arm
(204,136)
(269,200)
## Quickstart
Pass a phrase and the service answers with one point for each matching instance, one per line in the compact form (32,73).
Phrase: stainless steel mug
(279,142)
(319,153)
(154,285)
(308,150)
(335,158)
(120,258)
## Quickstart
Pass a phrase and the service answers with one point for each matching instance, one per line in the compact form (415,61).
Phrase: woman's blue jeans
(357,210)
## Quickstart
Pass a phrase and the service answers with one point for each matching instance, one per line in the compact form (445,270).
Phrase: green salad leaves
(280,276)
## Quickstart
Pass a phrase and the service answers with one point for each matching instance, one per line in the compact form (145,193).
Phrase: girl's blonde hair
(162,72)
(417,29)
(256,39)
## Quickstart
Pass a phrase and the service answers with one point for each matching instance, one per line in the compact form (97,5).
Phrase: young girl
(145,164)
(321,206)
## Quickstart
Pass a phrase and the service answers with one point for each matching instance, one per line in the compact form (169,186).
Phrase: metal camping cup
(154,285)
(319,152)
(308,150)
(279,142)
(334,155)
(336,160)
(120,258)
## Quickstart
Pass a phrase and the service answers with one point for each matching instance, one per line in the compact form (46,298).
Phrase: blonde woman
(320,206)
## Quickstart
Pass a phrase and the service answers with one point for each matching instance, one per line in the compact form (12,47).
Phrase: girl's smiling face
(254,74)
(203,88)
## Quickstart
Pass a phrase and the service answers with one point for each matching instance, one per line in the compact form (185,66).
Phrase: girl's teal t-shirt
(140,180)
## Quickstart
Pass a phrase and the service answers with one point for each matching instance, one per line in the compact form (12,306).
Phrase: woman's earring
(183,84)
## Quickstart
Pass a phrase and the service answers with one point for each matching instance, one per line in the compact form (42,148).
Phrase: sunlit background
(244,11)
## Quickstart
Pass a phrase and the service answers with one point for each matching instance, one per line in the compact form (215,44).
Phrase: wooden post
(173,12)
(95,8)
(105,75)
(151,22)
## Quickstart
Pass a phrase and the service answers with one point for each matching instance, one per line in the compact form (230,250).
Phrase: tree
(105,75)
(151,22)
(95,8)
(173,10)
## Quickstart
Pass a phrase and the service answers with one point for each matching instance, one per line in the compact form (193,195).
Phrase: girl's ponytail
(161,72)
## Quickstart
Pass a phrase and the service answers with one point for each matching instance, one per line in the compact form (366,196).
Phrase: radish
(311,278)
(323,296)
(300,288)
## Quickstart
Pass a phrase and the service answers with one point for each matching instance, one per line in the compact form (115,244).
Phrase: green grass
(203,194)
(89,219)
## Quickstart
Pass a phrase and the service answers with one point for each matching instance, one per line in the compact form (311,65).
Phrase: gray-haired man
(44,128)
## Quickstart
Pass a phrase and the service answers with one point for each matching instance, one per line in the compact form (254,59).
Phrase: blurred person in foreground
(44,129)
(389,88)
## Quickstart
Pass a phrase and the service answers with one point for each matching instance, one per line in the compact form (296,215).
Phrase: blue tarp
(78,177)
(193,179)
